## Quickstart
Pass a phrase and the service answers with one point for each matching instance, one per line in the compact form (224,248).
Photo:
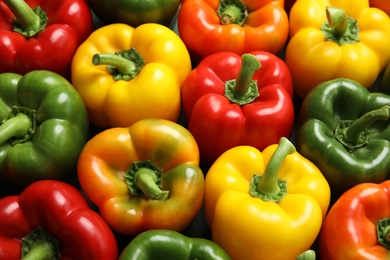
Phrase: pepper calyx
(122,65)
(232,12)
(40,244)
(144,178)
(383,232)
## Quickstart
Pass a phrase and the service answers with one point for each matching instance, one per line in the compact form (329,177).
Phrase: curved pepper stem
(232,12)
(353,134)
(307,255)
(40,244)
(144,178)
(19,126)
(28,21)
(339,27)
(123,65)
(243,90)
(383,232)
(268,186)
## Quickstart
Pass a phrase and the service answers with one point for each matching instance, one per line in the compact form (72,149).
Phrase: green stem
(144,178)
(15,127)
(40,245)
(353,134)
(268,185)
(232,12)
(337,19)
(307,255)
(123,65)
(383,232)
(243,89)
(29,21)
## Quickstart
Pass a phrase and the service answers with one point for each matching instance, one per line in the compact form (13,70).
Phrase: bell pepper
(232,100)
(42,35)
(384,82)
(125,74)
(383,5)
(146,176)
(343,129)
(357,225)
(43,127)
(135,12)
(265,205)
(52,220)
(168,244)
(336,39)
(239,26)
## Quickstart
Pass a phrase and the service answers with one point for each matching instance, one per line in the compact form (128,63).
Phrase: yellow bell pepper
(336,39)
(265,205)
(126,74)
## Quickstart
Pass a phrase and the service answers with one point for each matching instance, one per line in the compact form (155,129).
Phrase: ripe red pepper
(230,101)
(40,34)
(52,220)
(358,224)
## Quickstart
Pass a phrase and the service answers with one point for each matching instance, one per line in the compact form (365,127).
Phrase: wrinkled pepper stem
(243,90)
(268,186)
(354,133)
(123,65)
(144,178)
(17,128)
(28,21)
(39,244)
(383,232)
(232,12)
(339,27)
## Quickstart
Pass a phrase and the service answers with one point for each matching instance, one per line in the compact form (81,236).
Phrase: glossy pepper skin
(142,81)
(48,42)
(357,225)
(327,37)
(143,177)
(135,12)
(344,130)
(250,212)
(43,127)
(232,100)
(233,26)
(74,231)
(164,244)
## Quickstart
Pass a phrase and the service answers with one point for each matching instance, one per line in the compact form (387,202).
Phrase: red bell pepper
(358,224)
(40,34)
(230,101)
(52,220)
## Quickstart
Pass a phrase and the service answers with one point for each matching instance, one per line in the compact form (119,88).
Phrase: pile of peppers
(195,129)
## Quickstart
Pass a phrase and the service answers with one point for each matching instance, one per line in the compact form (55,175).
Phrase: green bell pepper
(43,127)
(343,129)
(164,244)
(135,12)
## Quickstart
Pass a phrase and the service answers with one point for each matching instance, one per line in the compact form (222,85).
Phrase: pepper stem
(145,178)
(123,65)
(268,186)
(40,244)
(339,27)
(18,127)
(243,90)
(28,21)
(307,255)
(232,12)
(354,133)
(383,232)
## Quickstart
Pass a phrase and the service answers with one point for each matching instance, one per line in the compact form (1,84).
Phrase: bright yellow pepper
(336,39)
(142,81)
(275,216)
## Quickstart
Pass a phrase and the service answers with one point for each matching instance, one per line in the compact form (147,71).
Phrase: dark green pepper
(43,127)
(135,12)
(343,129)
(166,244)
